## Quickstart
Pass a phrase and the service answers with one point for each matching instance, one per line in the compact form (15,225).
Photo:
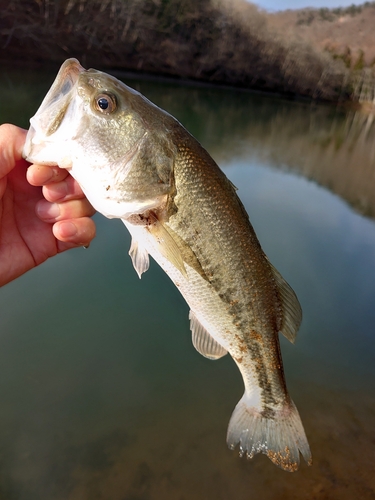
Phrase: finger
(12,139)
(67,189)
(3,185)
(54,212)
(38,175)
(74,232)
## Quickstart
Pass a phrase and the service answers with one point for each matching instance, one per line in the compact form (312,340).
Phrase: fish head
(115,143)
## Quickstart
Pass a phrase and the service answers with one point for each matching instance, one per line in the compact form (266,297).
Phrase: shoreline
(366,107)
(219,43)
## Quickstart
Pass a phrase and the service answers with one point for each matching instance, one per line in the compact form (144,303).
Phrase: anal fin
(204,343)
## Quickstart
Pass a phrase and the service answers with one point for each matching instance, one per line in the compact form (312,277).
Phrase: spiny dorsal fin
(292,312)
(167,246)
(202,340)
(139,256)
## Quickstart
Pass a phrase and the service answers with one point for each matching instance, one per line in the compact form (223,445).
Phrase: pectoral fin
(139,256)
(204,343)
(167,246)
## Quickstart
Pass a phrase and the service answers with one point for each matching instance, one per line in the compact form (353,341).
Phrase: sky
(273,5)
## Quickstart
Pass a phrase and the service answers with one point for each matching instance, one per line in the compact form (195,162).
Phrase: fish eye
(105,103)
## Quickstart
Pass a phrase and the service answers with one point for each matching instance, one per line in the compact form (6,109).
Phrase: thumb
(12,139)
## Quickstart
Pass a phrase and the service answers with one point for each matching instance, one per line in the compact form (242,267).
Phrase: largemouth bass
(136,162)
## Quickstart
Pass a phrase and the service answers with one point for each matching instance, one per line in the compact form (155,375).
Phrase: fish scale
(224,235)
(136,162)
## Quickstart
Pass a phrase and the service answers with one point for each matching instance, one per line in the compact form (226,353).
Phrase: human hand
(43,211)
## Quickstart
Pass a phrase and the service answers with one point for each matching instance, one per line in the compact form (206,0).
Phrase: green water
(102,394)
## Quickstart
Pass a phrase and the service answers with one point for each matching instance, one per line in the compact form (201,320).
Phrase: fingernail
(48,211)
(67,229)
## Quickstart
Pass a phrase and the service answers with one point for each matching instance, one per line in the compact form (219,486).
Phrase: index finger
(39,175)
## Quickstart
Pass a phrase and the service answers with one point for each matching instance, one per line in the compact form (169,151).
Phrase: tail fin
(281,436)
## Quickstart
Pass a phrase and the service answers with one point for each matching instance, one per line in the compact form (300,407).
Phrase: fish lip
(52,110)
(65,81)
(66,78)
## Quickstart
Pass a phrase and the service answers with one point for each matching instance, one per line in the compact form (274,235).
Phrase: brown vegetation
(220,41)
(347,33)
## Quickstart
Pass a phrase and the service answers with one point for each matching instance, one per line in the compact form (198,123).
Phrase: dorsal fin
(292,312)
(204,343)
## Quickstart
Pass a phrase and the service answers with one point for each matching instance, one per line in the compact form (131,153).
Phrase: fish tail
(279,434)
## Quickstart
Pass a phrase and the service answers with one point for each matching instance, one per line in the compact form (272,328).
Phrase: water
(102,394)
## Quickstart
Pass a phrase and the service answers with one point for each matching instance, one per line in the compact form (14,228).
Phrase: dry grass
(220,41)
(346,33)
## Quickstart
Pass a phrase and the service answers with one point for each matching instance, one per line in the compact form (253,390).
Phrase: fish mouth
(53,109)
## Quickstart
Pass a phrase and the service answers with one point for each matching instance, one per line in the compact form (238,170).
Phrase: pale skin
(43,211)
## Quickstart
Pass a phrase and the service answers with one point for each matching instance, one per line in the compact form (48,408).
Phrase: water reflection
(333,147)
(103,395)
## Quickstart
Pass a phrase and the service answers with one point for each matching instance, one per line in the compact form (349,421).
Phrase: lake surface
(103,396)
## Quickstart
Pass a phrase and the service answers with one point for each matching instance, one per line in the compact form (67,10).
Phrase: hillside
(227,42)
(348,33)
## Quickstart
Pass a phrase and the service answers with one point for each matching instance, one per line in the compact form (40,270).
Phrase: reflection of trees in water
(337,152)
(333,147)
(328,145)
